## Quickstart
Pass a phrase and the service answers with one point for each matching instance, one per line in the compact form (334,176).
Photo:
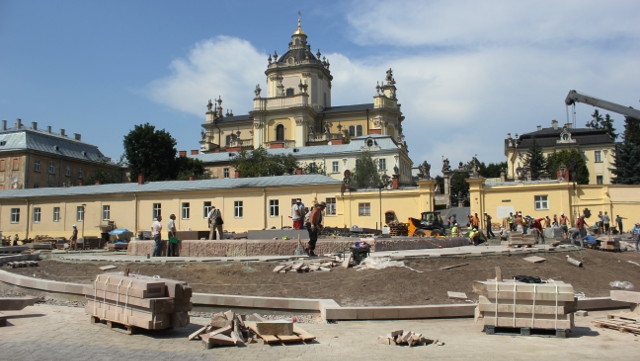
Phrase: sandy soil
(389,287)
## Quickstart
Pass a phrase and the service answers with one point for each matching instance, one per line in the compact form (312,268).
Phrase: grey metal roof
(384,142)
(45,142)
(172,186)
(548,137)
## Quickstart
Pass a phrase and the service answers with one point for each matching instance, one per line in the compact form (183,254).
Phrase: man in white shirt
(297,214)
(215,223)
(171,228)
(156,228)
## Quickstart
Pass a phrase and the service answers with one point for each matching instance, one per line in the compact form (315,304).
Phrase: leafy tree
(259,163)
(189,167)
(535,161)
(366,172)
(459,188)
(492,170)
(627,156)
(103,176)
(313,168)
(599,122)
(150,152)
(440,183)
(573,161)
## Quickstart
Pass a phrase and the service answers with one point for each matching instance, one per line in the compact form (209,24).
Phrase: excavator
(575,97)
(430,224)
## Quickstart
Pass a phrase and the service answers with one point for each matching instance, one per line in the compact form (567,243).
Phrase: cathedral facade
(295,115)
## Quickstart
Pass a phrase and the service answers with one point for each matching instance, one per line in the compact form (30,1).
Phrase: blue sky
(467,72)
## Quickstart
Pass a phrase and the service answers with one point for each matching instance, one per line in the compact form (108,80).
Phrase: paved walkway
(47,332)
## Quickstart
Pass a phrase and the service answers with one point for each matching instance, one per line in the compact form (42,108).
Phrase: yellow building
(596,147)
(295,116)
(548,198)
(33,158)
(245,203)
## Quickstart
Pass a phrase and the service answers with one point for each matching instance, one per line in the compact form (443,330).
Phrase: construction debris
(307,266)
(409,338)
(574,261)
(107,268)
(231,329)
(534,259)
(457,295)
(20,264)
(453,266)
(526,306)
(138,301)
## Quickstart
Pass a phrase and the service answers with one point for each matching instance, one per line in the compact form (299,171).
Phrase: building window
(225,172)
(274,208)
(238,209)
(227,140)
(2,165)
(335,166)
(290,92)
(37,213)
(313,168)
(359,131)
(382,164)
(80,213)
(80,173)
(364,209)
(597,156)
(541,202)
(16,164)
(352,131)
(36,166)
(52,167)
(157,210)
(106,212)
(56,214)
(67,171)
(186,213)
(15,215)
(599,179)
(279,133)
(206,207)
(330,210)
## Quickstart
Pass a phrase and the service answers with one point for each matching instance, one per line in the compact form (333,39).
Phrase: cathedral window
(279,133)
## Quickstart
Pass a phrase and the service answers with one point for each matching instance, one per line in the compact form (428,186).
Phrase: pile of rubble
(323,265)
(19,264)
(409,338)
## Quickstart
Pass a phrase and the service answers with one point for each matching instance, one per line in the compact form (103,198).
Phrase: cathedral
(294,115)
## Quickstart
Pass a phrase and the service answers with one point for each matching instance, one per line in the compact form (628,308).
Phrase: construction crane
(574,97)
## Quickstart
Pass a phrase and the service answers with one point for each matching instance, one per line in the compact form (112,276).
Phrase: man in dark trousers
(488,219)
(315,226)
(73,242)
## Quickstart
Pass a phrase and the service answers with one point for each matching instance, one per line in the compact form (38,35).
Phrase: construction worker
(510,222)
(455,230)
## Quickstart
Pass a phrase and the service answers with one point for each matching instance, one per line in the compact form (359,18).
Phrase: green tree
(600,122)
(313,168)
(572,159)
(534,161)
(259,163)
(189,167)
(492,170)
(366,172)
(103,176)
(627,156)
(150,152)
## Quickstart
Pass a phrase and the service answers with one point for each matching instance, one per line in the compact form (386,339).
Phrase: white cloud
(225,66)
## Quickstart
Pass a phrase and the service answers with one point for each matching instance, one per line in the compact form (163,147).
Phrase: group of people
(214,220)
(309,219)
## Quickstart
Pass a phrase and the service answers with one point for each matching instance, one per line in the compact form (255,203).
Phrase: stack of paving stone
(140,301)
(517,239)
(514,304)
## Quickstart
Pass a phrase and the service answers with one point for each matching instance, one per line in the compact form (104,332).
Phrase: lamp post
(84,206)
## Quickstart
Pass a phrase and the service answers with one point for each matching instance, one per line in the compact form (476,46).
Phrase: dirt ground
(387,287)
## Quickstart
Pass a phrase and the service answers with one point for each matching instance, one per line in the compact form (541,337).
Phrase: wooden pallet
(526,331)
(623,322)
(299,335)
(113,325)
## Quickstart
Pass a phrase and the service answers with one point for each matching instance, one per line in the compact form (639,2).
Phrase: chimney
(62,133)
(18,123)
(508,135)
(4,124)
(539,127)
(77,136)
(395,183)
(49,128)
(182,153)
(554,124)
(34,125)
(140,178)
(194,152)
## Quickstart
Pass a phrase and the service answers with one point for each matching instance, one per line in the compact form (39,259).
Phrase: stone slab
(15,303)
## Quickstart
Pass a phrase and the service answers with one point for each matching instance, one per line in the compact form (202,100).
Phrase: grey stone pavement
(48,332)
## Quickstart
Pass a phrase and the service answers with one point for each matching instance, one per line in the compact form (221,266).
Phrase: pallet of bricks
(512,306)
(398,229)
(628,321)
(128,301)
(518,239)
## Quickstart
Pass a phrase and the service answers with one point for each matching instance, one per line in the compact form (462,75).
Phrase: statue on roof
(425,170)
(209,105)
(390,79)
(445,165)
(257,90)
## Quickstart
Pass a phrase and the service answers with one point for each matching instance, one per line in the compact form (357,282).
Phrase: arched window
(352,131)
(289,92)
(280,132)
(359,131)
